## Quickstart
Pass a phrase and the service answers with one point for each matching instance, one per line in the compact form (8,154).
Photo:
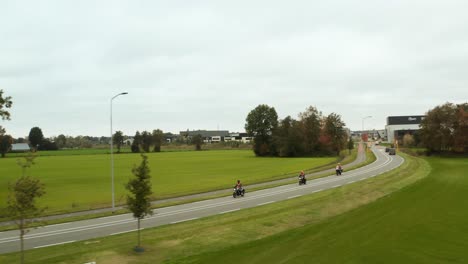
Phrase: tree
(334,128)
(35,137)
(197,140)
(437,128)
(260,124)
(287,138)
(146,141)
(48,145)
(118,140)
(408,140)
(61,141)
(158,139)
(136,142)
(5,144)
(460,133)
(139,202)
(21,203)
(310,126)
(5,102)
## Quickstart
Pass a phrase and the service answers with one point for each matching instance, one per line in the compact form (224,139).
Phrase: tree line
(445,128)
(312,134)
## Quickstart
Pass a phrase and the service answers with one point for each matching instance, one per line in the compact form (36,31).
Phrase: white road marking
(294,196)
(49,245)
(266,203)
(229,211)
(185,220)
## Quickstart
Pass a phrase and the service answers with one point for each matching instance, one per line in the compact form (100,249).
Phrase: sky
(207,64)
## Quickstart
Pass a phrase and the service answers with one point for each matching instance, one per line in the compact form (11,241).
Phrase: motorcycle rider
(338,169)
(238,187)
(302,176)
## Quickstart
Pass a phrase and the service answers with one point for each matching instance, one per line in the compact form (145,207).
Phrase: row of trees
(445,128)
(146,141)
(312,134)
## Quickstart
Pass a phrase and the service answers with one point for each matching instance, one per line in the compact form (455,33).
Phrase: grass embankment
(424,223)
(82,182)
(252,233)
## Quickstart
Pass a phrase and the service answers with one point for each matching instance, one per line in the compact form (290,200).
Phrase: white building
(398,126)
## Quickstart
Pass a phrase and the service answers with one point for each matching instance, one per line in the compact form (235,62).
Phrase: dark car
(391,151)
(387,149)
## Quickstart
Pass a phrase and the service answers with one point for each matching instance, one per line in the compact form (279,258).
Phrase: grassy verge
(185,241)
(423,223)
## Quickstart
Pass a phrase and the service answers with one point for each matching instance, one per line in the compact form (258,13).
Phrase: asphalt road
(89,229)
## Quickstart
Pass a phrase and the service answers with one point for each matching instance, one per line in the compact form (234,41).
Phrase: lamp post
(364,118)
(112,149)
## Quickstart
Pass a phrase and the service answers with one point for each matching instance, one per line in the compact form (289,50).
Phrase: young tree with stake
(21,203)
(138,201)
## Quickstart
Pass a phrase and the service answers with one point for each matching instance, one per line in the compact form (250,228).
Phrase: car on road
(391,151)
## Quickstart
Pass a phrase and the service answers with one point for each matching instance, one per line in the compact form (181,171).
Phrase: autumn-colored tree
(334,128)
(408,140)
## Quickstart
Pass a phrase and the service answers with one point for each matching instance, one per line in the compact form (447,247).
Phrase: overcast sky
(207,64)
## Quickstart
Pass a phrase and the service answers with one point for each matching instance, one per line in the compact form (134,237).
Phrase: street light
(363,121)
(112,150)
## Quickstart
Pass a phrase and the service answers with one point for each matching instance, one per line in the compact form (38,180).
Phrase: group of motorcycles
(302,181)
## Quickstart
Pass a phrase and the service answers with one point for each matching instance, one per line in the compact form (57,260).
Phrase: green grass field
(398,217)
(80,182)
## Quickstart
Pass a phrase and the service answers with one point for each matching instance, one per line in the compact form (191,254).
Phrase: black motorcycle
(302,180)
(238,192)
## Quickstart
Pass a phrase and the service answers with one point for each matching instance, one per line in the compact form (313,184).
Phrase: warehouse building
(398,126)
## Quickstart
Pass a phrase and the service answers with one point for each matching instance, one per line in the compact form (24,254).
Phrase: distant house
(169,137)
(240,137)
(128,141)
(209,136)
(20,147)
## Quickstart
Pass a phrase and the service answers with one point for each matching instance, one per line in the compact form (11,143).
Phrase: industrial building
(398,126)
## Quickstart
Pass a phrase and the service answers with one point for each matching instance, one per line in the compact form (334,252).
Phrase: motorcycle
(302,180)
(238,192)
